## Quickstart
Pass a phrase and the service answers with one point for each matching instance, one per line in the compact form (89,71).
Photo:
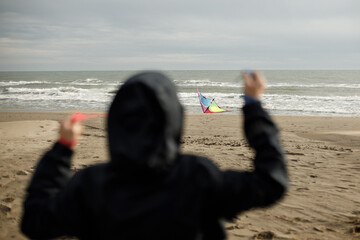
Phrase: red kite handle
(78,117)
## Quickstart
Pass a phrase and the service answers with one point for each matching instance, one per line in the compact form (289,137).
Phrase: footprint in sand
(300,189)
(8,199)
(294,153)
(264,235)
(4,209)
(355,230)
(356,222)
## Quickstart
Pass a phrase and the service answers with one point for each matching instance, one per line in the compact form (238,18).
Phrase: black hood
(145,122)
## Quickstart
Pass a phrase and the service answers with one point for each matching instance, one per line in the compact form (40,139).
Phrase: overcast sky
(179,34)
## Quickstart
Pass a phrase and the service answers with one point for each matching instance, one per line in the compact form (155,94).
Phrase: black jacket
(149,190)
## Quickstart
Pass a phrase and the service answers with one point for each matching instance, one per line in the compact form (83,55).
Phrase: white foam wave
(18,83)
(339,105)
(209,83)
(86,82)
(317,85)
(312,98)
(45,90)
(62,93)
(91,82)
(206,83)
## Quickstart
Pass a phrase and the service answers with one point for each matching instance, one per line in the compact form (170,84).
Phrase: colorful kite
(209,105)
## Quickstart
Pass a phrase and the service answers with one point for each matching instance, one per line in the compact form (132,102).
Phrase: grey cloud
(179,34)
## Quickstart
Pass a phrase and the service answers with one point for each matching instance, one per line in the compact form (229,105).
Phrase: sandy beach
(323,154)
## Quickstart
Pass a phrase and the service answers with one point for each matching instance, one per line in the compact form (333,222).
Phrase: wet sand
(323,154)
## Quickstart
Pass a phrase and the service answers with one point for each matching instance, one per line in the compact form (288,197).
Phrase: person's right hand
(254,84)
(70,131)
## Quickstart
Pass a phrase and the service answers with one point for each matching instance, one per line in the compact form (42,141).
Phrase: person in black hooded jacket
(148,189)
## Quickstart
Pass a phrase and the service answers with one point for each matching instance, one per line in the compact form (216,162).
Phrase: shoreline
(323,155)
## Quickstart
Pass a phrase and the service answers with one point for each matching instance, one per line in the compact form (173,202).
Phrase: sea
(288,92)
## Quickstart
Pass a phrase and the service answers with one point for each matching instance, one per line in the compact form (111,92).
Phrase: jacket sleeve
(47,205)
(268,181)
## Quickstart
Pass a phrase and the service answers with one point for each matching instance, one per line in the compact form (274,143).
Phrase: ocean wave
(209,83)
(18,83)
(320,98)
(45,90)
(316,85)
(206,83)
(86,82)
(339,105)
(91,82)
(61,93)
